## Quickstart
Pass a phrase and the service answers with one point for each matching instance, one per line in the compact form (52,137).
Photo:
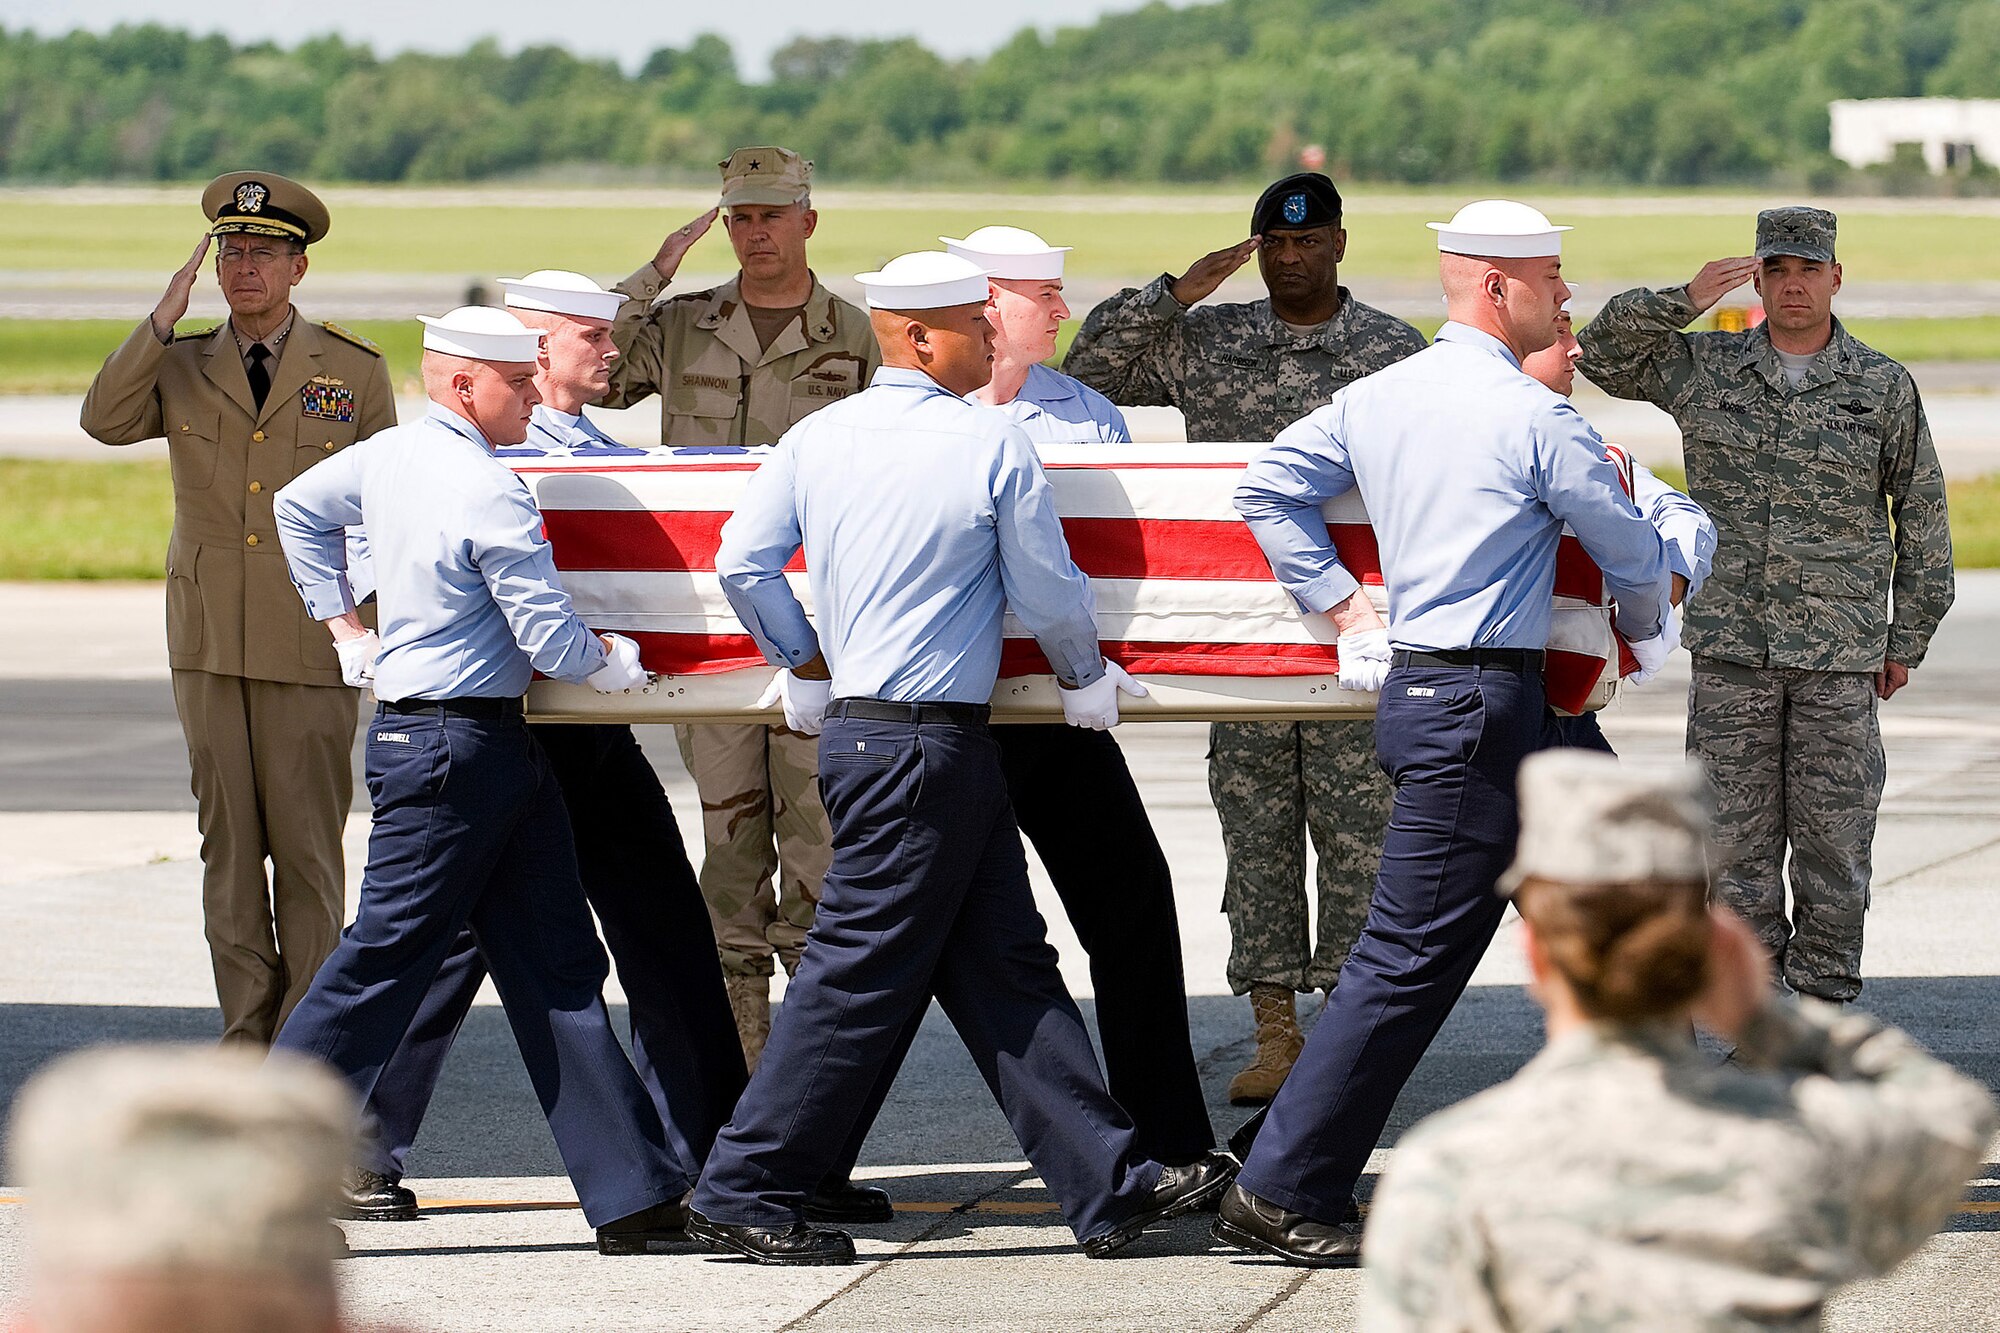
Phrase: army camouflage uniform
(1624,1180)
(1828,499)
(761,814)
(1237,373)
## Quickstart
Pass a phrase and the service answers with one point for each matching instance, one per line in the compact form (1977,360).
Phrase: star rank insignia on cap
(250,197)
(1295,208)
(756,163)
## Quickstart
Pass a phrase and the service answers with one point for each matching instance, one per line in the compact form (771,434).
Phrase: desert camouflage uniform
(1828,499)
(1237,373)
(1624,1180)
(761,814)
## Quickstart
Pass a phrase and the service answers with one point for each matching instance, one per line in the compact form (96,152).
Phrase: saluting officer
(1832,574)
(922,517)
(1470,470)
(246,406)
(1245,372)
(629,852)
(739,364)
(469,826)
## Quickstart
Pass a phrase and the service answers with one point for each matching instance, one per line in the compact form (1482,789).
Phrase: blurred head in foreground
(180,1189)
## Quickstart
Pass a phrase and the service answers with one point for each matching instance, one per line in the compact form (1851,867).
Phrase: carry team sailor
(921,516)
(1470,470)
(469,825)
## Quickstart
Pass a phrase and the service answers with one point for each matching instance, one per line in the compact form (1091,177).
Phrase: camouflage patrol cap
(1797,230)
(765,176)
(1588,818)
(260,203)
(176,1158)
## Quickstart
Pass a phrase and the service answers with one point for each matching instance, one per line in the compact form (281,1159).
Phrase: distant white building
(1952,131)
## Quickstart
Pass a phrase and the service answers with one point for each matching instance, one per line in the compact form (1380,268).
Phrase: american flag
(1185,598)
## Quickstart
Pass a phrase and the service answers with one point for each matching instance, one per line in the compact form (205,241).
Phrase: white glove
(357,659)
(1364,659)
(1653,653)
(805,701)
(1096,705)
(621,669)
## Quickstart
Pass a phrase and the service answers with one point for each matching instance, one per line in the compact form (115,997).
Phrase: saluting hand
(1718,278)
(174,303)
(674,249)
(1208,272)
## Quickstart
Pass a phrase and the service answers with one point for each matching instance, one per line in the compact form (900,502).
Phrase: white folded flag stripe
(1181,587)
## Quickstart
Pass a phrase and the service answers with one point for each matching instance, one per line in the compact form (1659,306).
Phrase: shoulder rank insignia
(350,336)
(193,335)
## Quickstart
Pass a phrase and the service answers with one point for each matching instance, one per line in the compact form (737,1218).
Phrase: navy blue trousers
(1451,740)
(638,880)
(1074,798)
(1581,732)
(927,895)
(470,833)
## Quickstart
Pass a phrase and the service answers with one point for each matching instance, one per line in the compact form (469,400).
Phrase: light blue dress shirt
(1469,469)
(923,518)
(1685,527)
(564,433)
(470,604)
(1055,409)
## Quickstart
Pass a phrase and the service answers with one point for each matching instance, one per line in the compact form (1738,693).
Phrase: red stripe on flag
(1569,678)
(631,540)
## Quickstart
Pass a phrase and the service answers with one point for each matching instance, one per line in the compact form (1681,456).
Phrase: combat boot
(750,1004)
(1279,1042)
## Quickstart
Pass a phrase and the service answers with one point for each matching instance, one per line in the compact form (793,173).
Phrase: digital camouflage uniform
(1827,499)
(1624,1180)
(1237,373)
(761,814)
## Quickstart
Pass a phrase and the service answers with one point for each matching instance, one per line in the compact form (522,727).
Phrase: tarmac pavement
(100,939)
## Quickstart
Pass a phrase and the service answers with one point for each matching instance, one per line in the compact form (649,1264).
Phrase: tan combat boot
(1279,1042)
(750,1003)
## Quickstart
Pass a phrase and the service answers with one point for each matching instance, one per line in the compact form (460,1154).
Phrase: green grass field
(1118,236)
(61,520)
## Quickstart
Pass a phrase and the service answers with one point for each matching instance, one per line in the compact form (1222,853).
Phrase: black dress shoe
(797,1245)
(367,1197)
(1251,1223)
(845,1201)
(652,1231)
(1181,1189)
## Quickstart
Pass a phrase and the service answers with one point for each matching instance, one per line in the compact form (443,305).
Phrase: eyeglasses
(260,256)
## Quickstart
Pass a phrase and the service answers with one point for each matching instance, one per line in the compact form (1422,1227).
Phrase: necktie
(260,378)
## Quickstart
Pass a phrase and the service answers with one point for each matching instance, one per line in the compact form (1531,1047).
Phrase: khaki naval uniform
(269,725)
(761,814)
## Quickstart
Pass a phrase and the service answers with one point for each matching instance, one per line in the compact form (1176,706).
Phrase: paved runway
(100,918)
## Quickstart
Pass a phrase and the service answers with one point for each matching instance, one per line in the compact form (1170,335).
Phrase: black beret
(1297,203)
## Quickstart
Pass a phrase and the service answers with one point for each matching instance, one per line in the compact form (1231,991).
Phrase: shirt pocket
(319,440)
(705,407)
(1848,447)
(827,380)
(193,448)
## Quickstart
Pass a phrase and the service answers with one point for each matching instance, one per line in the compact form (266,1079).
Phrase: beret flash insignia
(1295,208)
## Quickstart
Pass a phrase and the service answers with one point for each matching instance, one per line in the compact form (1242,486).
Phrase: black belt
(885,710)
(1502,659)
(471,707)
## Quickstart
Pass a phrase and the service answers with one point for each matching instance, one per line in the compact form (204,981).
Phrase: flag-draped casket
(1185,599)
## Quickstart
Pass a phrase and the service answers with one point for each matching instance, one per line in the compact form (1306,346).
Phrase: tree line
(1655,92)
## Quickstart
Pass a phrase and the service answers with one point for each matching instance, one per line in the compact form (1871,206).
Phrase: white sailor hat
(1010,252)
(561,292)
(1498,229)
(481,333)
(925,280)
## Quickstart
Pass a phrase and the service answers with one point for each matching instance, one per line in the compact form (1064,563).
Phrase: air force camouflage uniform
(761,814)
(1806,485)
(1623,1180)
(1237,373)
